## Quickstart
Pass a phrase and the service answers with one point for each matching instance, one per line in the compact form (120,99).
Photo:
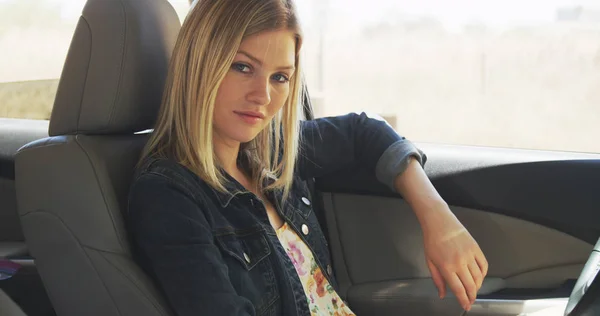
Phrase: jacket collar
(234,188)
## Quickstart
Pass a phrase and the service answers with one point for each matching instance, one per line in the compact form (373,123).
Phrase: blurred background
(510,73)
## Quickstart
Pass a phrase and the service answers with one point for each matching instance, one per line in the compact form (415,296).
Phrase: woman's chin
(237,136)
(245,138)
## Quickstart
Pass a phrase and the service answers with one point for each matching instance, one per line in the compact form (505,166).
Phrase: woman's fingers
(438,280)
(459,261)
(477,276)
(482,263)
(468,283)
(456,285)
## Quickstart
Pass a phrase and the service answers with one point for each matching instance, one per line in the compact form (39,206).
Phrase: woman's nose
(260,92)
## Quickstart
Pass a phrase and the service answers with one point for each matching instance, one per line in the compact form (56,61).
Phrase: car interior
(64,185)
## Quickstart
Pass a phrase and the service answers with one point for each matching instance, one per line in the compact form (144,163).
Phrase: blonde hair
(206,46)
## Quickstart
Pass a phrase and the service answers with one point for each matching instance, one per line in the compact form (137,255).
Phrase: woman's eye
(241,67)
(281,78)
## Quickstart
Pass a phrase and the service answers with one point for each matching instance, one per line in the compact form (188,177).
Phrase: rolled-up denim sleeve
(345,142)
(395,160)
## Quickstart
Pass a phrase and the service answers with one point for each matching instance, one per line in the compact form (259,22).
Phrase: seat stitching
(87,71)
(90,261)
(123,37)
(157,306)
(101,190)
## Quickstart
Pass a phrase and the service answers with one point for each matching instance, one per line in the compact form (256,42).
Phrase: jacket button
(304,229)
(246,257)
(305,201)
(329,270)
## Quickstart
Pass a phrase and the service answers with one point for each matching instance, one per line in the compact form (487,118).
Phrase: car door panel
(532,213)
(9,232)
(14,133)
(554,189)
(26,287)
(389,230)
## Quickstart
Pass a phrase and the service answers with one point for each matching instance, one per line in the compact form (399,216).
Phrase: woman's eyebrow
(260,63)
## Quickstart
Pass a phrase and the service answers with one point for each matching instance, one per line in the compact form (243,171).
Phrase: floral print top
(322,298)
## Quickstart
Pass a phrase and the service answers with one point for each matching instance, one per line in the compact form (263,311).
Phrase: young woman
(219,211)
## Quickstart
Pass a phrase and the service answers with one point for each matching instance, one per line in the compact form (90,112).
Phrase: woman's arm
(453,256)
(175,244)
(345,142)
(349,141)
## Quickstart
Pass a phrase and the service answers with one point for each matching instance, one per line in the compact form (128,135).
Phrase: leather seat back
(73,186)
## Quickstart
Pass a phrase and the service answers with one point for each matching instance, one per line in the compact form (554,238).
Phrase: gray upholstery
(72,186)
(8,307)
(113,77)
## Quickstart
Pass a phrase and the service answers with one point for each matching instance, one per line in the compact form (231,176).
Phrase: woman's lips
(250,117)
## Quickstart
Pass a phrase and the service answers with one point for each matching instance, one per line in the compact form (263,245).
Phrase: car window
(34,40)
(511,73)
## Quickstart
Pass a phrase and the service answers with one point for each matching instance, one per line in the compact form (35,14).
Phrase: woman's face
(256,86)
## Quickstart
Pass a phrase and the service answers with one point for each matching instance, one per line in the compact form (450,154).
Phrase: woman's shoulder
(156,175)
(161,183)
(160,166)
(166,168)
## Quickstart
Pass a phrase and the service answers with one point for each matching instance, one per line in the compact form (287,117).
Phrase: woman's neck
(227,152)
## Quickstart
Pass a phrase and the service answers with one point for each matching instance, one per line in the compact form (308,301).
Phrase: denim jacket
(214,253)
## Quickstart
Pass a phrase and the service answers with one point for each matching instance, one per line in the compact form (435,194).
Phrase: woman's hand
(453,257)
